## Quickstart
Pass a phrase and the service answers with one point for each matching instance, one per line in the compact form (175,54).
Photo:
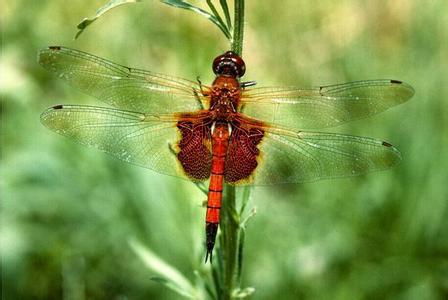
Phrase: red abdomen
(220,140)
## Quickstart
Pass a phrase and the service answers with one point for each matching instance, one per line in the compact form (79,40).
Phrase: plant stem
(229,241)
(229,268)
(232,235)
(238,30)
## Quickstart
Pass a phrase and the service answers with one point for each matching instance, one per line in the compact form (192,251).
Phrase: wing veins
(302,151)
(128,72)
(334,150)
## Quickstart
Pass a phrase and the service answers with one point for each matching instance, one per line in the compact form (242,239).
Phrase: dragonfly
(229,132)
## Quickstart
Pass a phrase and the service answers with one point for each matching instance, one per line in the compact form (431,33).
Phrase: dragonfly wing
(324,106)
(195,146)
(122,87)
(141,139)
(292,157)
(242,153)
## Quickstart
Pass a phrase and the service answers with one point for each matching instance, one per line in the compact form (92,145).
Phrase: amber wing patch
(242,153)
(195,154)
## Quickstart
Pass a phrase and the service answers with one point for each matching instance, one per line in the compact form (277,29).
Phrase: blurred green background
(68,211)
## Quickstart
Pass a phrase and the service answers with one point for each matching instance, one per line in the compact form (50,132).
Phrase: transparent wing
(141,139)
(122,87)
(290,157)
(323,106)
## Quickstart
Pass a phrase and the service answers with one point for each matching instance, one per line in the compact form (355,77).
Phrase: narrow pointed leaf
(201,278)
(172,286)
(166,274)
(108,6)
(245,198)
(225,9)
(244,293)
(188,6)
(216,13)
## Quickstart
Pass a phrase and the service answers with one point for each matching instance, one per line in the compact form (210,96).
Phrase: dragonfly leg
(242,107)
(172,149)
(246,84)
(203,92)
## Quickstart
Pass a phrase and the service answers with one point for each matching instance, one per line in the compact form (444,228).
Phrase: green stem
(238,30)
(232,235)
(229,241)
(231,244)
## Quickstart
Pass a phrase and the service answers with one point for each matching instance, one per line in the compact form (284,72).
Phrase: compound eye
(229,63)
(240,65)
(216,63)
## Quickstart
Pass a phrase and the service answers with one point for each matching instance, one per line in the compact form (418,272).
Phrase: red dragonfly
(227,132)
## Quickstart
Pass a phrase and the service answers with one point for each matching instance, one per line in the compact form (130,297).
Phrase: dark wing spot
(194,145)
(54,47)
(396,81)
(386,144)
(58,106)
(242,153)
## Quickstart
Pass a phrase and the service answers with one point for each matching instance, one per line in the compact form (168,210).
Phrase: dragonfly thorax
(225,97)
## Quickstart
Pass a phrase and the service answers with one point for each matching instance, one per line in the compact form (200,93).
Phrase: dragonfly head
(229,64)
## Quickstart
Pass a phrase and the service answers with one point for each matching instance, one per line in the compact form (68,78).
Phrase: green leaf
(166,274)
(185,5)
(202,278)
(111,4)
(202,187)
(251,214)
(243,293)
(216,14)
(225,9)
(172,286)
(245,198)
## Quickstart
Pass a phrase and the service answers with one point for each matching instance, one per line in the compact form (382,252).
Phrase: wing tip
(396,81)
(395,155)
(46,112)
(407,87)
(386,144)
(41,54)
(52,49)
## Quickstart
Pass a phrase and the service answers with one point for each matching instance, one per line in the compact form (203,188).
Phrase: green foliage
(108,6)
(215,18)
(235,38)
(166,274)
(233,34)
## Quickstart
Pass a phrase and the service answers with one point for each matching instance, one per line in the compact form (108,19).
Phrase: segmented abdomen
(220,137)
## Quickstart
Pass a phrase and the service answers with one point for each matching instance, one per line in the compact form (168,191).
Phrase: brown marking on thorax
(225,97)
